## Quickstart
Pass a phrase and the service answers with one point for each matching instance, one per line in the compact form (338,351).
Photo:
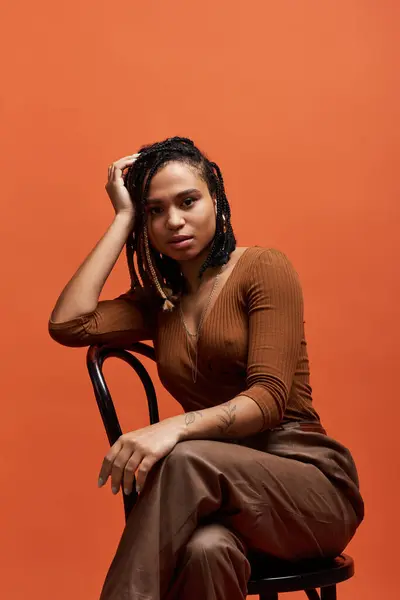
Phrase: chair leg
(272,596)
(312,594)
(328,593)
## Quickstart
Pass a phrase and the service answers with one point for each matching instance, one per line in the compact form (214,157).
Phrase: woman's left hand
(139,451)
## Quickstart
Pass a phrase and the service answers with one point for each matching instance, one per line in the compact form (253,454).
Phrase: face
(180,212)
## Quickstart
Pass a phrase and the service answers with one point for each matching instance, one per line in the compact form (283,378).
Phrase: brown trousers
(205,506)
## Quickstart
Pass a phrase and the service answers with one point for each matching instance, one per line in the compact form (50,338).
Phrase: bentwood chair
(268,577)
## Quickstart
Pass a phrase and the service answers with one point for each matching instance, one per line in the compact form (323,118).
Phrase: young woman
(248,467)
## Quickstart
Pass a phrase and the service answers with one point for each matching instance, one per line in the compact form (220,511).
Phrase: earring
(224,223)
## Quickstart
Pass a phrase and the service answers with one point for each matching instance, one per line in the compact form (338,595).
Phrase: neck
(190,270)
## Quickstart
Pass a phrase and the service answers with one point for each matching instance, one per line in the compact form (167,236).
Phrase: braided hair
(155,269)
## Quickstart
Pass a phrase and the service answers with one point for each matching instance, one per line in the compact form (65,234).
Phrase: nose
(175,219)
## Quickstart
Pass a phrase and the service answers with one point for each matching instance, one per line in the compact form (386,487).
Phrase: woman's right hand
(115,186)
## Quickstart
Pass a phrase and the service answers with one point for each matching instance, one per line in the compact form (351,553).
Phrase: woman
(248,467)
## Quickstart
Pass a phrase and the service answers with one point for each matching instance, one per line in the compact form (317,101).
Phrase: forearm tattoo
(191,417)
(228,417)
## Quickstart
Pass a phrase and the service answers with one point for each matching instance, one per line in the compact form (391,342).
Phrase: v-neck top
(252,341)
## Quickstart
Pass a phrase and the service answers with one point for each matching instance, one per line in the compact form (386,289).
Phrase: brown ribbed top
(251,343)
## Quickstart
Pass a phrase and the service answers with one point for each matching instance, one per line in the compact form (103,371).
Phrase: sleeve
(275,309)
(120,322)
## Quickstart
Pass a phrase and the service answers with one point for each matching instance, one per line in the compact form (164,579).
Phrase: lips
(180,238)
(181,242)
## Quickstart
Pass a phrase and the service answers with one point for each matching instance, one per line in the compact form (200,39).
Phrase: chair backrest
(95,358)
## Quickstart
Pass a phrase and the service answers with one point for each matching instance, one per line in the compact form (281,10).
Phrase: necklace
(195,336)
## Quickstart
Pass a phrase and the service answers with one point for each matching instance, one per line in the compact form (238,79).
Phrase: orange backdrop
(298,103)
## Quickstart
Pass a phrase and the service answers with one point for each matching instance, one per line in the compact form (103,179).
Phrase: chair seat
(272,576)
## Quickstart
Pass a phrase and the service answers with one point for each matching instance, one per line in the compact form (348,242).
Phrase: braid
(167,304)
(157,270)
(224,241)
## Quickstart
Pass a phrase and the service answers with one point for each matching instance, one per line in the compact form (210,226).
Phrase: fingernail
(138,489)
(126,491)
(100,482)
(114,490)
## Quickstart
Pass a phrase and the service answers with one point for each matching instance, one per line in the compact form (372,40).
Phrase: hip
(309,443)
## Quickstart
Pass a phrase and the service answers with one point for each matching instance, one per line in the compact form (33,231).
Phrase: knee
(188,448)
(215,544)
(209,451)
(215,563)
(209,541)
(183,453)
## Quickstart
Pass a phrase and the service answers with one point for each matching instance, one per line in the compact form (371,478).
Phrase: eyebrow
(179,195)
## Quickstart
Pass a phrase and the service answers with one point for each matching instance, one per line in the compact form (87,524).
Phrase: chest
(220,348)
(193,308)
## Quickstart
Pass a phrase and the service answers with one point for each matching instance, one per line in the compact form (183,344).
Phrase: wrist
(181,427)
(125,218)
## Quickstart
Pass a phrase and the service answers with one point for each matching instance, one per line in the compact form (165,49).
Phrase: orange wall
(298,102)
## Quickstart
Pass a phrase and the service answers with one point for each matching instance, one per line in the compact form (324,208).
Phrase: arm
(237,418)
(275,307)
(120,322)
(78,318)
(81,294)
(138,451)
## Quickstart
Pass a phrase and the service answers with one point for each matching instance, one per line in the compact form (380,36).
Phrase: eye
(188,202)
(155,210)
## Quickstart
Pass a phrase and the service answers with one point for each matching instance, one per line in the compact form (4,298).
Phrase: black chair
(269,577)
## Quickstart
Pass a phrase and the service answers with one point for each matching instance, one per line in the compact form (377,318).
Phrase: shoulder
(270,270)
(256,257)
